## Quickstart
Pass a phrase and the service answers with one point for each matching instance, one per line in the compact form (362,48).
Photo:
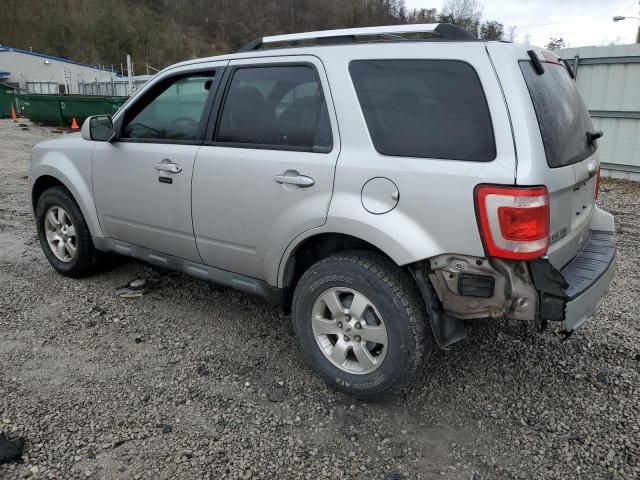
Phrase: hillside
(161,32)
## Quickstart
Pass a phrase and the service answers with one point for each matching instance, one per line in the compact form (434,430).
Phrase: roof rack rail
(445,31)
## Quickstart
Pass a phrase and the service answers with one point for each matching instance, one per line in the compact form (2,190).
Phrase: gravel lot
(194,381)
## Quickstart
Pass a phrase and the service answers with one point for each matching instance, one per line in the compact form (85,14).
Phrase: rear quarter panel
(435,213)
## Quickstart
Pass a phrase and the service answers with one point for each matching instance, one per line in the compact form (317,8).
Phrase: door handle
(168,167)
(294,178)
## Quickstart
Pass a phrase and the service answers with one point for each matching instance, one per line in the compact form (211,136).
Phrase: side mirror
(98,128)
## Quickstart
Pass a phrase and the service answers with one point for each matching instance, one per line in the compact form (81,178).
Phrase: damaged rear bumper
(460,287)
(589,276)
(573,294)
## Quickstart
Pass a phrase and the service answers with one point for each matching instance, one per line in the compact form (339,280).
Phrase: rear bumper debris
(573,294)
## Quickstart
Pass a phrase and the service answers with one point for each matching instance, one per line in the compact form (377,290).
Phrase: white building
(40,73)
(608,79)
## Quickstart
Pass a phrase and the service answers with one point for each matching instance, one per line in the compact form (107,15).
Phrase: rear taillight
(596,193)
(513,221)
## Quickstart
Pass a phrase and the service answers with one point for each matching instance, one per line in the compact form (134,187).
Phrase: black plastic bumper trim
(590,264)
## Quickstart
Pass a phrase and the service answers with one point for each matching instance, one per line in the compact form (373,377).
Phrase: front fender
(74,174)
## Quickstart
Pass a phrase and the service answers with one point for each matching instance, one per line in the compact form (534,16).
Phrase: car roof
(319,42)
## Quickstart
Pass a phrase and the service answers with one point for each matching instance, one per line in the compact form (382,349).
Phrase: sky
(578,22)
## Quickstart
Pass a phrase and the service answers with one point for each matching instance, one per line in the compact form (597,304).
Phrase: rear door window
(425,108)
(278,107)
(562,116)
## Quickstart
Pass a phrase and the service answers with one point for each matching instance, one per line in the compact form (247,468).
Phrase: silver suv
(386,184)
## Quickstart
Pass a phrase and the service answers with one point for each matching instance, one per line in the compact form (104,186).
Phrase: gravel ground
(194,381)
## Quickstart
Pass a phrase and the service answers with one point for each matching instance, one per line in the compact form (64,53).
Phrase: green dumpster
(81,107)
(7,98)
(40,108)
(62,109)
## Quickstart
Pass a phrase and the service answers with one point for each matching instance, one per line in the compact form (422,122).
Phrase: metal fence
(46,88)
(609,81)
(111,88)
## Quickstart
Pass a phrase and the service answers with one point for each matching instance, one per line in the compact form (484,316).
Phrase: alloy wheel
(60,234)
(349,330)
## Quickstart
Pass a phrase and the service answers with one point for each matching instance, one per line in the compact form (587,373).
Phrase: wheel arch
(395,235)
(43,183)
(313,248)
(47,177)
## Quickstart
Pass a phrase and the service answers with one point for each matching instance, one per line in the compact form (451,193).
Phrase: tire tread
(88,259)
(404,289)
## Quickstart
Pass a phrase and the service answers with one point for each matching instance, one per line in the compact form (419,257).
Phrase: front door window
(173,113)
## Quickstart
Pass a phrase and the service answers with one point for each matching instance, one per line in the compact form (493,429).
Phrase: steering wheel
(140,130)
(182,127)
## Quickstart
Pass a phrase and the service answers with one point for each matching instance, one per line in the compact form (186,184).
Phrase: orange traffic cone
(74,124)
(14,117)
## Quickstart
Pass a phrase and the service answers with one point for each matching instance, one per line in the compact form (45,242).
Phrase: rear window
(425,108)
(562,116)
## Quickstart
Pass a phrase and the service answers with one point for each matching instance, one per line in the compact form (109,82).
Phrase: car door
(265,173)
(142,179)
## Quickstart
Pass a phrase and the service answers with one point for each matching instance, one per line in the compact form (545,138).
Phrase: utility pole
(292,15)
(130,73)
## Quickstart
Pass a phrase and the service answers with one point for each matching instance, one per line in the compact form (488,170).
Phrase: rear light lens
(513,221)
(596,194)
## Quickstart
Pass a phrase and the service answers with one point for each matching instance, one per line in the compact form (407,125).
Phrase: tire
(84,259)
(393,301)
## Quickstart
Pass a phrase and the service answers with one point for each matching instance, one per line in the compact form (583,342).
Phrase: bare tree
(464,13)
(492,30)
(555,43)
(512,36)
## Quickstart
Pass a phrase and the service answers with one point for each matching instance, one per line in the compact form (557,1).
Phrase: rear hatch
(570,166)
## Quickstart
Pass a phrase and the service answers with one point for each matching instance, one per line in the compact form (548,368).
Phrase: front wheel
(361,324)
(63,233)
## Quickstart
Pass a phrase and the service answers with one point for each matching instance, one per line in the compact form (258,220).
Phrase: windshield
(562,116)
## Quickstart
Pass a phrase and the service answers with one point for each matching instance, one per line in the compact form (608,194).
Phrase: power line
(595,19)
(631,6)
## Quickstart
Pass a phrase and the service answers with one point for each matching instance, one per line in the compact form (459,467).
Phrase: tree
(492,30)
(512,36)
(422,15)
(555,43)
(162,32)
(463,13)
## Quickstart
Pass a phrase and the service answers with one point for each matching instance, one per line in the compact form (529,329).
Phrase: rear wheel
(361,324)
(64,236)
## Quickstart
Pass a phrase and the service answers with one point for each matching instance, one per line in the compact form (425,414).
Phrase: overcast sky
(579,22)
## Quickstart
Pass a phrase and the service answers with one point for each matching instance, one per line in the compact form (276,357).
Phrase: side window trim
(148,97)
(223,92)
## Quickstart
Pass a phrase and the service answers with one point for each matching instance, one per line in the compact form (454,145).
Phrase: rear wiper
(569,69)
(593,136)
(535,61)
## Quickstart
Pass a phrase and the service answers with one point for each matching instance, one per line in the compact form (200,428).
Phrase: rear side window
(276,107)
(425,108)
(562,116)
